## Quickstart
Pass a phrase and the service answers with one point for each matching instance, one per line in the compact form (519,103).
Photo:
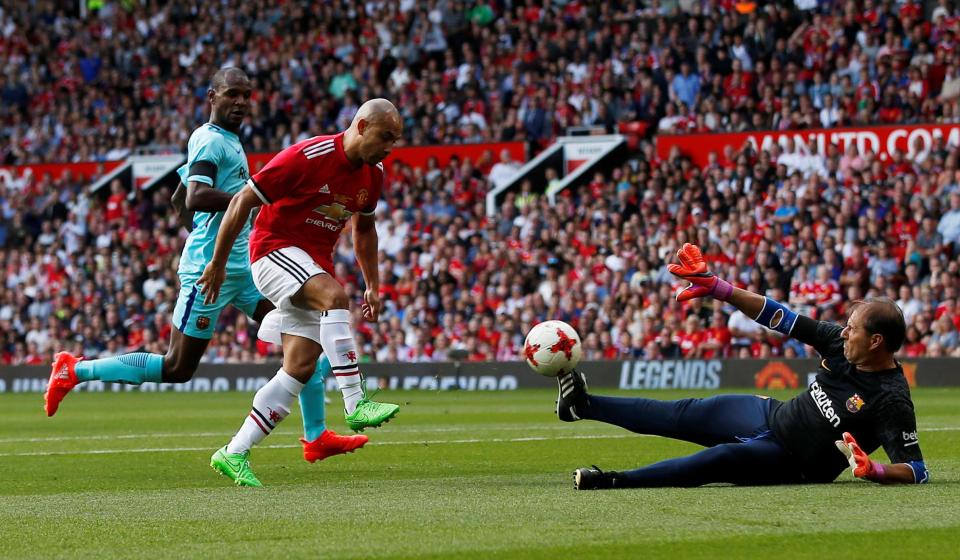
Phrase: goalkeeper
(858,402)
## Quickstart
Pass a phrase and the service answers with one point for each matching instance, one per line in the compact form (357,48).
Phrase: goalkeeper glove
(860,463)
(693,269)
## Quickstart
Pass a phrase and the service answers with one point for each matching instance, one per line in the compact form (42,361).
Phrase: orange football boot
(329,444)
(62,380)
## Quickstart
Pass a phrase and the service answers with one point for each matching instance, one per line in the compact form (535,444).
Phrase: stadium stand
(95,274)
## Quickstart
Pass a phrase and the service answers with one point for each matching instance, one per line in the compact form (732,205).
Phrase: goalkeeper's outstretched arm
(774,315)
(692,268)
(749,303)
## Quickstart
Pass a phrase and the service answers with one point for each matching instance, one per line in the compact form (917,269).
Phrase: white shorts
(279,275)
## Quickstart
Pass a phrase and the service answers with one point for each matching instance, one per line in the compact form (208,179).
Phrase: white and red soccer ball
(552,348)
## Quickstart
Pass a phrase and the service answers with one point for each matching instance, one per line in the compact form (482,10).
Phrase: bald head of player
(376,127)
(875,331)
(229,97)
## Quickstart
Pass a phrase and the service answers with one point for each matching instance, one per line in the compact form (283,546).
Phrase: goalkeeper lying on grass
(859,401)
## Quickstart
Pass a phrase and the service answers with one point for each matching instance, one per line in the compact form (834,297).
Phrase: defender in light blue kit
(213,144)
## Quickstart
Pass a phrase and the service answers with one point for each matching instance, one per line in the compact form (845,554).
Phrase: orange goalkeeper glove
(860,462)
(693,269)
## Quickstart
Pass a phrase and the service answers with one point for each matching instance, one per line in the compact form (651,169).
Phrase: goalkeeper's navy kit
(758,440)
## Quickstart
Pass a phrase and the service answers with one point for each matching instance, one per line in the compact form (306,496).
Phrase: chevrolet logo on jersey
(335,211)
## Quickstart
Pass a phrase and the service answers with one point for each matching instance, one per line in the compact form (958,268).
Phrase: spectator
(686,85)
(504,170)
(949,226)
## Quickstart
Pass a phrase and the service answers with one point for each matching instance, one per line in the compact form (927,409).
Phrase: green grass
(456,475)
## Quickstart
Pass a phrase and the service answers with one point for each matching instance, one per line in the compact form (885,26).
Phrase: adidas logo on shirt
(325,189)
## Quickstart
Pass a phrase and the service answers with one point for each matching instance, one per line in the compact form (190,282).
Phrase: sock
(271,404)
(336,338)
(312,406)
(133,369)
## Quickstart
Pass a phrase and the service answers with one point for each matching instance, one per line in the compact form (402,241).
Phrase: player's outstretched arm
(749,303)
(692,268)
(238,212)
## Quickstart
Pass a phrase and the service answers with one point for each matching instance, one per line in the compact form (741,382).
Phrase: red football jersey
(310,190)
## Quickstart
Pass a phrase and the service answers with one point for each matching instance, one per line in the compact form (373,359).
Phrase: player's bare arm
(238,212)
(201,196)
(179,202)
(197,197)
(749,303)
(366,246)
(897,473)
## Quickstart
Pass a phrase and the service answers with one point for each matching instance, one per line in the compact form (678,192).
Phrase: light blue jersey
(222,148)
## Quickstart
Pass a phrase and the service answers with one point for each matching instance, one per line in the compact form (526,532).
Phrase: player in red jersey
(307,194)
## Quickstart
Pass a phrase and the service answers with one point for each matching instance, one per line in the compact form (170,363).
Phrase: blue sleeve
(920,473)
(777,316)
(182,172)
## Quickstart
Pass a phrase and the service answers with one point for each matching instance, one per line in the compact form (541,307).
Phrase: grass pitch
(455,475)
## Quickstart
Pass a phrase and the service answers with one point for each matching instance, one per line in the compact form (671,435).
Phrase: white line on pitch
(377,444)
(291,433)
(285,432)
(415,442)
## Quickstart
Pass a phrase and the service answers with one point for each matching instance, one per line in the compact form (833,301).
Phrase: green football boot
(235,466)
(370,414)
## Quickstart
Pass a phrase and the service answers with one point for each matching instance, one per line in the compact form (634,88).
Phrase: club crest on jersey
(335,211)
(855,403)
(203,322)
(362,197)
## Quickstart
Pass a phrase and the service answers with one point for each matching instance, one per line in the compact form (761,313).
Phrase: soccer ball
(552,348)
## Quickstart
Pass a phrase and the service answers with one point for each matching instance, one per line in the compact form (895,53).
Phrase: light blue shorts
(193,317)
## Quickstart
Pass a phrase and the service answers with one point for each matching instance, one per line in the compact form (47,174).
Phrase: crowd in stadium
(96,88)
(96,275)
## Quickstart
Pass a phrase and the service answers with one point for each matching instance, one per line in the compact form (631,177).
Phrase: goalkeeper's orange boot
(330,443)
(63,379)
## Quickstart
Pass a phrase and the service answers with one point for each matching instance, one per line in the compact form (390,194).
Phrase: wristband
(877,472)
(721,290)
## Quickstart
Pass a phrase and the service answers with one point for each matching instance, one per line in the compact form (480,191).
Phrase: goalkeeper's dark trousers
(741,446)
